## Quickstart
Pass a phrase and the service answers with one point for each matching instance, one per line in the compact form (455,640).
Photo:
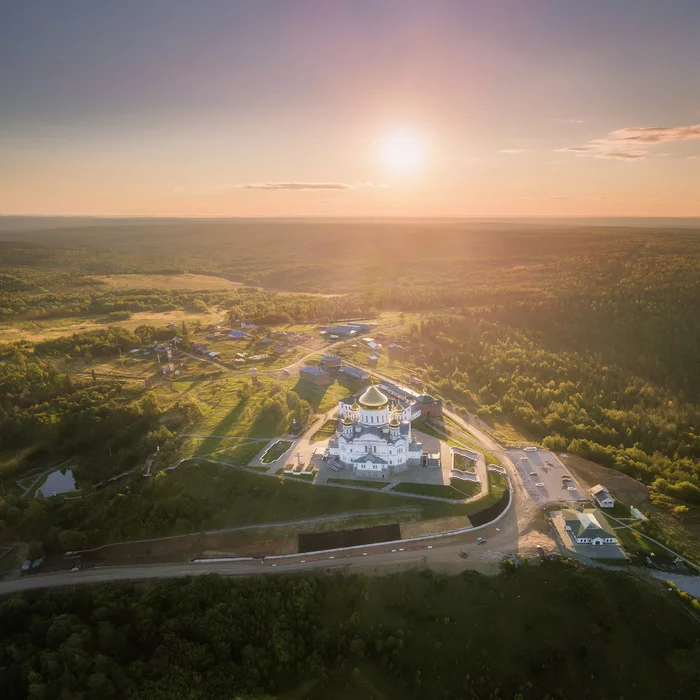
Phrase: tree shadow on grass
(311,393)
(224,425)
(264,426)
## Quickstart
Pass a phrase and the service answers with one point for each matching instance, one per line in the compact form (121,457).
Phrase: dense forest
(550,631)
(571,400)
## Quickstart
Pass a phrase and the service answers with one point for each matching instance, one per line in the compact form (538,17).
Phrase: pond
(58,482)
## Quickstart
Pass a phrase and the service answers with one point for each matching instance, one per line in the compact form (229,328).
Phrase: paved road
(689,584)
(440,553)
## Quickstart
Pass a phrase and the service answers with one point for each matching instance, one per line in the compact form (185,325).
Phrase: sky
(350,107)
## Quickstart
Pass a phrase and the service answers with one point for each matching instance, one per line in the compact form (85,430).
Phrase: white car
(524,459)
(571,488)
(533,473)
(530,449)
(539,484)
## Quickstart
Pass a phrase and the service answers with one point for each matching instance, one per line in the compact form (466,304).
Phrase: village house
(602,496)
(315,375)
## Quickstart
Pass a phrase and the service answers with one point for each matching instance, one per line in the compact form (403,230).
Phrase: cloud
(633,143)
(293,186)
(512,150)
(656,134)
(621,155)
(333,186)
(575,149)
(573,121)
(691,158)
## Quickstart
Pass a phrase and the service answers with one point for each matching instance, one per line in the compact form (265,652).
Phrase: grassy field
(44,329)
(468,488)
(227,412)
(240,455)
(325,399)
(634,543)
(437,490)
(358,482)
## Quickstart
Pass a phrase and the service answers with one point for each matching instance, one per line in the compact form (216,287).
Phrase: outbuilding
(602,496)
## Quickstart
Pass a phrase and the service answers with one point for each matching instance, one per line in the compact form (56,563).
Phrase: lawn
(327,430)
(619,510)
(358,482)
(462,464)
(325,399)
(274,452)
(468,488)
(241,455)
(635,543)
(437,490)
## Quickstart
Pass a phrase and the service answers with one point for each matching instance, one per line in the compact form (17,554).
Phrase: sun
(403,150)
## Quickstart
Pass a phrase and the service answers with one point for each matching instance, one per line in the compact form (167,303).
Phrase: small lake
(58,482)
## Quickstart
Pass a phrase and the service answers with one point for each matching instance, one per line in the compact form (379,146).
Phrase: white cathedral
(375,438)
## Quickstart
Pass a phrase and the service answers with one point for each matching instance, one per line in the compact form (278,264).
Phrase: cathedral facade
(374,436)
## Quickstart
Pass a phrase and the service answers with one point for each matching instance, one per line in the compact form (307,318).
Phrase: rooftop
(312,369)
(588,524)
(373,398)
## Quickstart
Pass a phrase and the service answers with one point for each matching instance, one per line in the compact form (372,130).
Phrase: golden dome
(356,406)
(399,408)
(394,422)
(373,398)
(347,420)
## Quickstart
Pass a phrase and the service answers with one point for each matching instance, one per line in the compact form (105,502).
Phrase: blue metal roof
(353,372)
(312,369)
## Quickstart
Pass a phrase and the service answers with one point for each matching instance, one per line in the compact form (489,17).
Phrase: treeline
(103,342)
(249,303)
(106,426)
(337,636)
(572,400)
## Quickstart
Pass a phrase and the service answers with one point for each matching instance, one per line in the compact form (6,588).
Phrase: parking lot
(541,473)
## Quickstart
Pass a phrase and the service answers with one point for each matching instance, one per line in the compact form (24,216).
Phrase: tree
(35,550)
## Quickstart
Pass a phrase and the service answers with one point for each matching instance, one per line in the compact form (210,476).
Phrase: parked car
(533,473)
(464,554)
(539,484)
(530,449)
(481,540)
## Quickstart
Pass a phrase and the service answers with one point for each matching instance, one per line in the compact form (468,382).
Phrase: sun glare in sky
(403,150)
